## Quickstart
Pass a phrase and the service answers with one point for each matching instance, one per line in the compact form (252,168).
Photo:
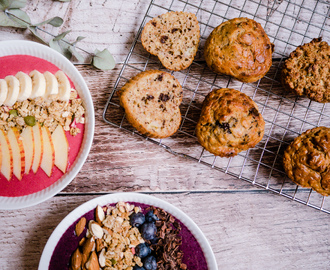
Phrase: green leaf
(77,55)
(62,48)
(62,35)
(12,4)
(34,31)
(79,38)
(56,22)
(103,60)
(18,19)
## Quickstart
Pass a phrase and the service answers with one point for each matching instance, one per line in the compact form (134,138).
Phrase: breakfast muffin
(239,48)
(229,123)
(173,37)
(306,71)
(307,160)
(151,101)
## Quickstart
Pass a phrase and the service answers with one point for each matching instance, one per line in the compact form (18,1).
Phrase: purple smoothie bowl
(56,255)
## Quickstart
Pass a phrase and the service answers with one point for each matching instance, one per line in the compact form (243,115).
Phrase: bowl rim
(24,47)
(126,197)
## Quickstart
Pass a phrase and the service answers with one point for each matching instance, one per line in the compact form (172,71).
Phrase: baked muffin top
(307,71)
(240,48)
(229,123)
(307,160)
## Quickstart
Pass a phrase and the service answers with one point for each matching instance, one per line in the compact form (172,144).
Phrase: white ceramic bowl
(127,197)
(15,47)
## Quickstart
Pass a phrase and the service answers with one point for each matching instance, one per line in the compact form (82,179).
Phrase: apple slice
(28,143)
(48,157)
(38,147)
(61,146)
(18,152)
(6,156)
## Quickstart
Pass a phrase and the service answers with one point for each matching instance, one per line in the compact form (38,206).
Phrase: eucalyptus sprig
(11,15)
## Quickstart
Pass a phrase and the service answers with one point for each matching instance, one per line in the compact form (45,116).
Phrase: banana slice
(25,86)
(51,86)
(3,91)
(13,90)
(38,84)
(64,86)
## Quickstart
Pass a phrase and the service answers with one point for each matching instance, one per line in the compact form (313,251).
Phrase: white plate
(127,197)
(15,47)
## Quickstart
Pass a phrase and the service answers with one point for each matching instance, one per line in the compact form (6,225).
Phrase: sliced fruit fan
(288,25)
(34,146)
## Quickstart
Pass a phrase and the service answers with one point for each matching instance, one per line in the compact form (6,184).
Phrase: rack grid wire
(288,25)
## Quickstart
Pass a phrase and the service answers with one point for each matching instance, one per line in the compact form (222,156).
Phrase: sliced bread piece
(151,101)
(173,37)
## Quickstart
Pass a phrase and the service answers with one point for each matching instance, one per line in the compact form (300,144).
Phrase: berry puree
(31,182)
(193,255)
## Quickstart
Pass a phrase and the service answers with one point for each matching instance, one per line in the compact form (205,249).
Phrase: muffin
(307,160)
(306,71)
(229,123)
(173,37)
(239,48)
(151,101)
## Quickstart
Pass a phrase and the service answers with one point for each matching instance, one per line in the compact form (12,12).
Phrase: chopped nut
(95,229)
(76,260)
(99,245)
(80,226)
(102,258)
(88,246)
(93,262)
(99,214)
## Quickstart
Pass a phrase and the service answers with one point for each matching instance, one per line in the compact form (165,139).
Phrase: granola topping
(49,114)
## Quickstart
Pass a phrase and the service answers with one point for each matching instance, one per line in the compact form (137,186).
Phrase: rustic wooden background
(247,227)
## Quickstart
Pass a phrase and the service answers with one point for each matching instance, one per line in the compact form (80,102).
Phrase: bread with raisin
(173,37)
(151,101)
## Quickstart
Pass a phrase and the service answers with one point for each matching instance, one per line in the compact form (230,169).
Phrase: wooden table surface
(247,227)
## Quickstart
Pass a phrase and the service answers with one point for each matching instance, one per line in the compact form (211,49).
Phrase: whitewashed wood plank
(245,230)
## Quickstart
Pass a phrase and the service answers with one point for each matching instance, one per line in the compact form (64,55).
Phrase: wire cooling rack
(288,25)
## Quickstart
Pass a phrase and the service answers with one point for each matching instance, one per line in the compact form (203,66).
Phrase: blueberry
(150,263)
(148,231)
(136,267)
(137,219)
(142,250)
(151,217)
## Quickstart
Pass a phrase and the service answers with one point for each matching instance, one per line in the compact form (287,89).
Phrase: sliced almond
(89,246)
(99,214)
(102,258)
(93,262)
(76,260)
(95,229)
(80,226)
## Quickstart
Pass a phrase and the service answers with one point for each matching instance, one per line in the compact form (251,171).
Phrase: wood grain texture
(246,230)
(247,227)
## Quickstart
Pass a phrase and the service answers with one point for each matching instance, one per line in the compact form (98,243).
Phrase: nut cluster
(49,114)
(110,240)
